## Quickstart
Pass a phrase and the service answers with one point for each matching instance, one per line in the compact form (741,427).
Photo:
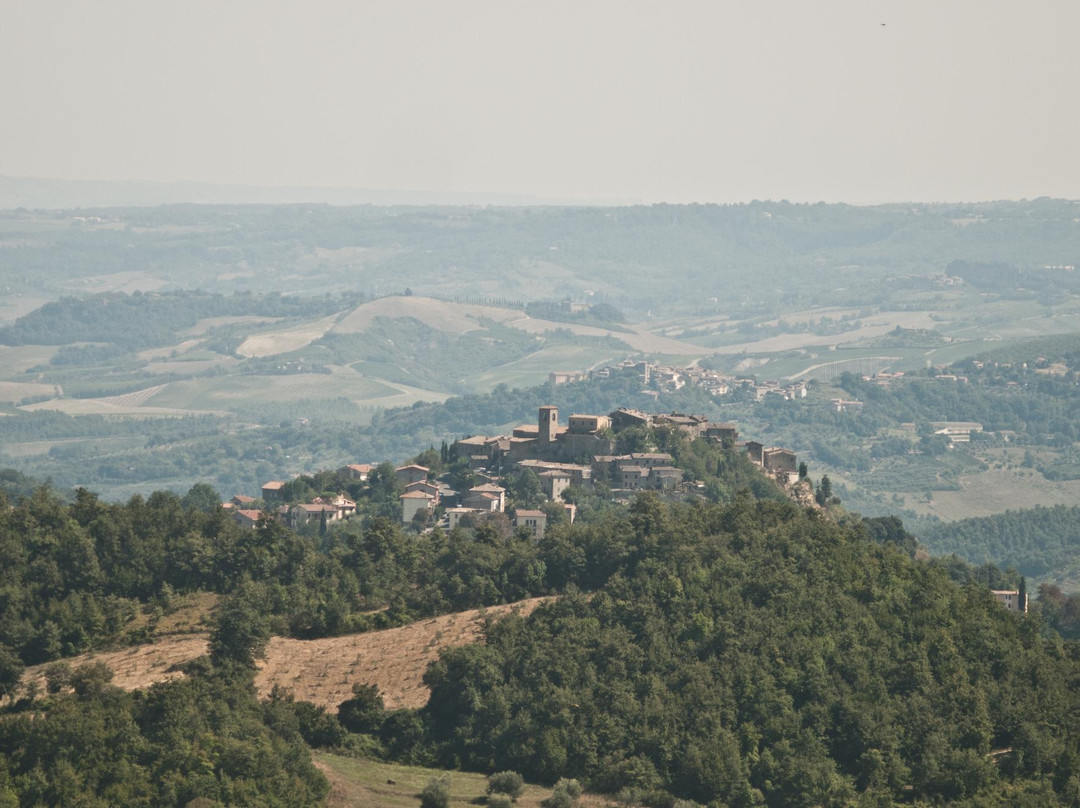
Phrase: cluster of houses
(581,451)
(561,456)
(883,378)
(668,378)
(321,509)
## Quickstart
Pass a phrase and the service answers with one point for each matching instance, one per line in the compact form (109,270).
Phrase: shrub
(499,801)
(508,782)
(436,793)
(90,679)
(558,799)
(57,676)
(570,786)
(564,795)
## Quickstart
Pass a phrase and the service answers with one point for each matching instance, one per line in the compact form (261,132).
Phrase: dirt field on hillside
(319,671)
(638,338)
(995,491)
(17,391)
(272,343)
(453,318)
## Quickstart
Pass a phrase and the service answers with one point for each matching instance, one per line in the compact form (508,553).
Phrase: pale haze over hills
(693,101)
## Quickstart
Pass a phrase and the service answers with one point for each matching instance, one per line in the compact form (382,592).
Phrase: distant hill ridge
(45,193)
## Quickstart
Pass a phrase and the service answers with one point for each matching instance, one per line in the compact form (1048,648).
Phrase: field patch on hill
(320,671)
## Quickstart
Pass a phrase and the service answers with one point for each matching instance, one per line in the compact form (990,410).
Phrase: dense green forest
(77,577)
(204,740)
(1036,541)
(757,654)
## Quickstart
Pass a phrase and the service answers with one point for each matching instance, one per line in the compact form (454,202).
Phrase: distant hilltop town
(668,378)
(561,456)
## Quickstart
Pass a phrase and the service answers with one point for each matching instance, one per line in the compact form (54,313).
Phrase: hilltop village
(560,456)
(560,459)
(668,378)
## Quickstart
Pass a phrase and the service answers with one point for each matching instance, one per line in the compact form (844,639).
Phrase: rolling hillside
(320,671)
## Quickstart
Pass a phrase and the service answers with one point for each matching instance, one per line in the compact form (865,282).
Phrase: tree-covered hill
(200,741)
(76,576)
(756,654)
(1038,542)
(142,321)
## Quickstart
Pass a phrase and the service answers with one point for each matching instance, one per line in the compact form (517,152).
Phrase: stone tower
(548,422)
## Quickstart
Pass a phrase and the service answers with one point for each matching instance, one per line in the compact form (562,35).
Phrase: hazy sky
(675,101)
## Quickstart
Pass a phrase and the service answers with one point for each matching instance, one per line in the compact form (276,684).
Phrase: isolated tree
(430,458)
(57,676)
(90,679)
(436,793)
(824,490)
(241,631)
(803,470)
(562,796)
(384,484)
(508,782)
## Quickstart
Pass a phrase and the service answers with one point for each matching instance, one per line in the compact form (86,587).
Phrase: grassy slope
(357,783)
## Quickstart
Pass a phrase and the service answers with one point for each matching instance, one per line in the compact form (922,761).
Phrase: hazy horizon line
(322,194)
